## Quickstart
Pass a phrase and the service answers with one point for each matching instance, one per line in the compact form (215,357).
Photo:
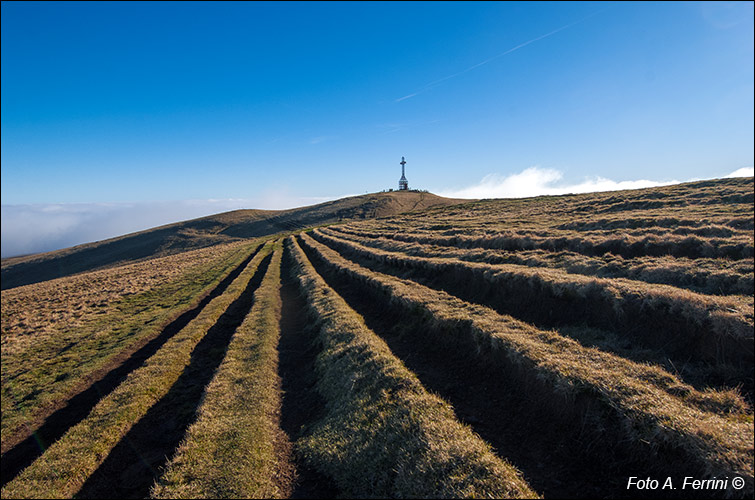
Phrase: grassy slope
(723,325)
(207,231)
(64,467)
(644,397)
(383,434)
(39,376)
(229,452)
(717,213)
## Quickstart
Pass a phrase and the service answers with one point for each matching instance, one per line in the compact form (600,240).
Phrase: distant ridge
(207,231)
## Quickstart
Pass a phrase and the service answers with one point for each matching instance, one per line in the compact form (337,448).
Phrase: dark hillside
(207,231)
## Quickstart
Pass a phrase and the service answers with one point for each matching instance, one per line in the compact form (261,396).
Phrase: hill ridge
(224,227)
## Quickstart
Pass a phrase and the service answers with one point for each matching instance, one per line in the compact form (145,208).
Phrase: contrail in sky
(486,61)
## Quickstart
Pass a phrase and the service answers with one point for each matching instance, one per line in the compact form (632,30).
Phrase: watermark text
(686,483)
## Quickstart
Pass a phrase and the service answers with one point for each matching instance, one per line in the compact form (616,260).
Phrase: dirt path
(302,405)
(78,407)
(133,465)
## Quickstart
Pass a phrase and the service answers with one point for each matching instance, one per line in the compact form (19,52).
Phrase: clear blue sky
(123,102)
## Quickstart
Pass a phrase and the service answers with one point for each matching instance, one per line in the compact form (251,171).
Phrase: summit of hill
(207,231)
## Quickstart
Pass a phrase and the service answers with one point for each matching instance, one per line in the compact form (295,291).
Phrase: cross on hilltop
(403,184)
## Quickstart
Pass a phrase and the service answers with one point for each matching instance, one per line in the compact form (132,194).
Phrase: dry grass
(80,325)
(635,284)
(34,313)
(624,244)
(715,329)
(229,452)
(658,414)
(383,435)
(710,219)
(65,466)
(704,275)
(723,202)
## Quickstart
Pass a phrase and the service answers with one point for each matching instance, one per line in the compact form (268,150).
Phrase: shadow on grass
(78,407)
(133,465)
(301,405)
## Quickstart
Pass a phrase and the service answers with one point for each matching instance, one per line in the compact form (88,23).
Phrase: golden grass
(383,434)
(655,409)
(624,244)
(716,329)
(81,324)
(229,452)
(64,467)
(723,202)
(696,220)
(34,313)
(703,275)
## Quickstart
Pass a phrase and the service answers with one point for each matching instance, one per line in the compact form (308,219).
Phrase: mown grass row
(230,451)
(40,379)
(711,329)
(383,434)
(65,466)
(695,197)
(628,246)
(639,408)
(722,228)
(675,357)
(709,276)
(79,406)
(704,231)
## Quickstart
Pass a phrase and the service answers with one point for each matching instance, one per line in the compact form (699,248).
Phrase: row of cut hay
(706,231)
(548,233)
(383,434)
(708,276)
(42,377)
(627,246)
(721,228)
(692,197)
(707,328)
(65,466)
(640,408)
(230,450)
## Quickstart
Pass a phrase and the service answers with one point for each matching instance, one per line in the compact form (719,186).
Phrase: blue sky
(273,105)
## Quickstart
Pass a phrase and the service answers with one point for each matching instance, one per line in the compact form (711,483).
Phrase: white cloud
(742,172)
(537,181)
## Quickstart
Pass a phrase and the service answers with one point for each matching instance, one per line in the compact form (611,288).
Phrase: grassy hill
(554,346)
(207,231)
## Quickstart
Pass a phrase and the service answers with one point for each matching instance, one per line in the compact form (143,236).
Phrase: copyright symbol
(738,483)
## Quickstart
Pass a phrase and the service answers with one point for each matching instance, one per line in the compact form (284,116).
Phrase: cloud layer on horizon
(39,228)
(538,181)
(36,228)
